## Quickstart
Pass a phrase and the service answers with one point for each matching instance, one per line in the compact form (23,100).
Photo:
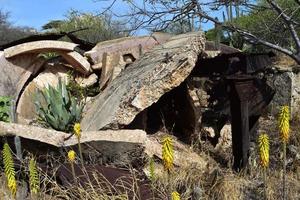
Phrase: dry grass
(217,181)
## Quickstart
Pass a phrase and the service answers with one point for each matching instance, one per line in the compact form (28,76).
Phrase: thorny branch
(159,14)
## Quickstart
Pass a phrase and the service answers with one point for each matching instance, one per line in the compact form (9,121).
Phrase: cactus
(57,108)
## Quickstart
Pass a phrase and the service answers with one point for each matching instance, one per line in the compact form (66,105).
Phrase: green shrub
(5,103)
(57,108)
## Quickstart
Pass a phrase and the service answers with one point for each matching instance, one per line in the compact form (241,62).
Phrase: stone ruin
(181,84)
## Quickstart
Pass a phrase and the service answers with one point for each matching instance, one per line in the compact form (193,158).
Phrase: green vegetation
(94,28)
(9,32)
(5,105)
(57,108)
(266,24)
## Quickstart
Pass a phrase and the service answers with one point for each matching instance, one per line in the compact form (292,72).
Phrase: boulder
(143,83)
(87,81)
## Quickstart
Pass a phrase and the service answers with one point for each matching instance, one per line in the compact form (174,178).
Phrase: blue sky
(36,13)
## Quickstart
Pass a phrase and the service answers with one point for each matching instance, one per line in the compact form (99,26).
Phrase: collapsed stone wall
(286,81)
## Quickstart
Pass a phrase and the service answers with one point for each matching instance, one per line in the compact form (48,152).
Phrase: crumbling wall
(286,82)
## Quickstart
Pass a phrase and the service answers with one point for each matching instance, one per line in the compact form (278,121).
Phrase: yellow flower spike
(264,148)
(175,196)
(34,181)
(71,156)
(77,130)
(168,153)
(9,169)
(12,185)
(283,122)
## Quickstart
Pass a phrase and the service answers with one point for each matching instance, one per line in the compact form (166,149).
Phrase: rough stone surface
(225,139)
(15,72)
(287,86)
(88,81)
(144,82)
(50,76)
(126,45)
(114,55)
(282,82)
(39,47)
(57,138)
(111,146)
(77,61)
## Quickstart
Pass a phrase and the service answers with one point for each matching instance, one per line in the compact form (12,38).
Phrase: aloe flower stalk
(9,170)
(77,132)
(264,149)
(175,195)
(284,130)
(71,159)
(168,153)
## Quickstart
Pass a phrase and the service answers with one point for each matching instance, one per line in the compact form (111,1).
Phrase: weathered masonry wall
(287,85)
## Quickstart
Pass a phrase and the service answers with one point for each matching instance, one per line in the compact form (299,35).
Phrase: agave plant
(5,103)
(57,108)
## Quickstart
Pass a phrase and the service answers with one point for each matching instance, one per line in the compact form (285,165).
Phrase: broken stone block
(143,83)
(15,72)
(37,47)
(88,81)
(115,146)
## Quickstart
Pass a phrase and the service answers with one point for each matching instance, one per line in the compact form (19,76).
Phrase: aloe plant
(57,108)
(5,103)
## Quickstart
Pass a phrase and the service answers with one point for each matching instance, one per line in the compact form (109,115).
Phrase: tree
(94,28)
(279,18)
(9,32)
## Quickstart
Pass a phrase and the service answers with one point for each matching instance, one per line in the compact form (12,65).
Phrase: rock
(209,131)
(283,96)
(77,61)
(37,47)
(97,66)
(87,82)
(225,139)
(50,76)
(144,82)
(114,56)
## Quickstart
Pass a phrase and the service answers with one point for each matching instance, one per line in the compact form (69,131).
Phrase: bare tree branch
(288,21)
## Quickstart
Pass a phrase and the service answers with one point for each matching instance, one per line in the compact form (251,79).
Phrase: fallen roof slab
(77,61)
(57,138)
(143,83)
(39,47)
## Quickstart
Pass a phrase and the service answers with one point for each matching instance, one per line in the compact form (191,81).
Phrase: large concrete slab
(141,84)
